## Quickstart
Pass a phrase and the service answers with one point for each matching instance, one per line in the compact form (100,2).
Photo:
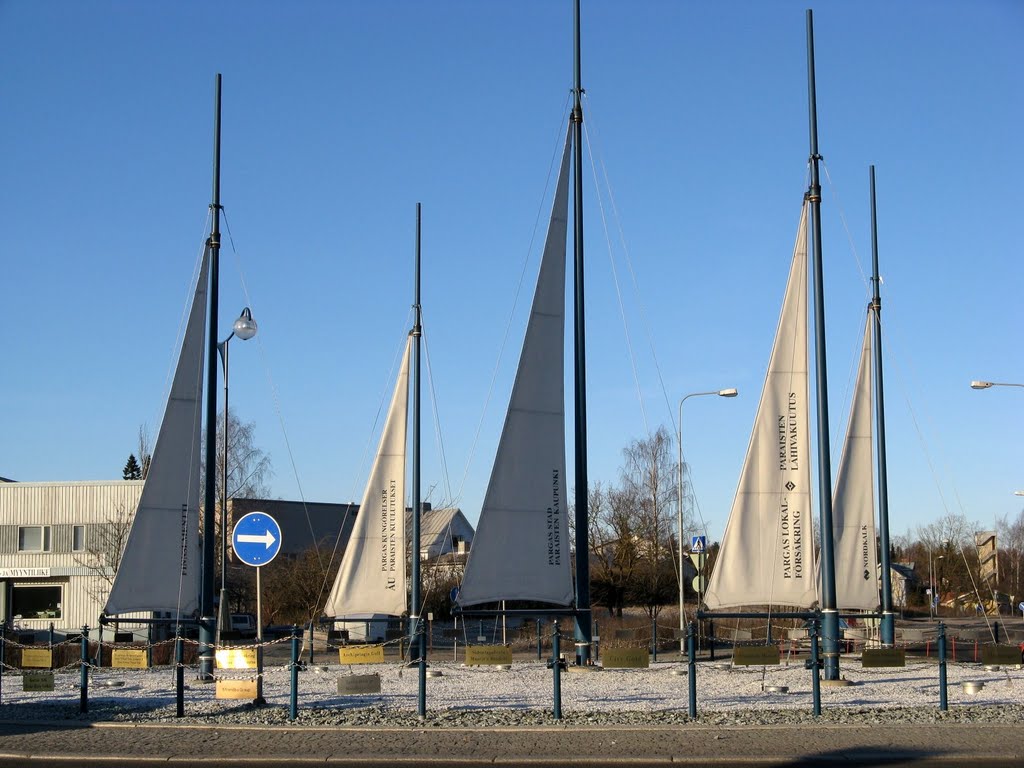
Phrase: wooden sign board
(361,654)
(1000,654)
(129,658)
(755,655)
(38,658)
(236,689)
(486,655)
(37,681)
(355,685)
(625,658)
(883,657)
(236,658)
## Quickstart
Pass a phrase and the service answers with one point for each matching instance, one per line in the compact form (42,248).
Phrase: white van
(244,624)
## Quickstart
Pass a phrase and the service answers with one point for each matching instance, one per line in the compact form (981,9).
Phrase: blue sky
(339,116)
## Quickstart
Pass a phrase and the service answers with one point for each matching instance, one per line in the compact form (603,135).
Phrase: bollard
(711,637)
(51,636)
(538,641)
(556,666)
(654,639)
(3,658)
(943,704)
(293,704)
(597,643)
(691,656)
(995,631)
(311,642)
(179,674)
(83,705)
(149,646)
(815,677)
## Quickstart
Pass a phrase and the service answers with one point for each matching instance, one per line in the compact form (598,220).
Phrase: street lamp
(988,384)
(244,328)
(731,392)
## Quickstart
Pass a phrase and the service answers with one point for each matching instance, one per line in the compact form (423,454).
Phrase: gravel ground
(472,697)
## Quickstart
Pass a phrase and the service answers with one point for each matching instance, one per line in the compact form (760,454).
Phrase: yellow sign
(37,681)
(37,657)
(361,654)
(236,658)
(129,658)
(625,658)
(236,689)
(480,655)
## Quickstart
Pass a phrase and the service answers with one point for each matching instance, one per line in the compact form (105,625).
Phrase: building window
(78,538)
(36,602)
(33,538)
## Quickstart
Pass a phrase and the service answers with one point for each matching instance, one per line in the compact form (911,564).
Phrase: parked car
(244,624)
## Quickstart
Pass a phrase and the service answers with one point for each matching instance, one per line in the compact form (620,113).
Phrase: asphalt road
(33,745)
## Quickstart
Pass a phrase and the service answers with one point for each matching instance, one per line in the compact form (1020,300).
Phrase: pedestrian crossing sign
(698,544)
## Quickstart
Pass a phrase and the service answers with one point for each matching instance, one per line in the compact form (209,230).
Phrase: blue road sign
(454,594)
(256,538)
(698,544)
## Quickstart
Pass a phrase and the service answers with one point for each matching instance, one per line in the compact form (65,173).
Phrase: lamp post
(932,603)
(244,328)
(731,392)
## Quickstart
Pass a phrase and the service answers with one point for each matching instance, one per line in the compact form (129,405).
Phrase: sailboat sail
(372,578)
(159,569)
(521,547)
(766,556)
(853,508)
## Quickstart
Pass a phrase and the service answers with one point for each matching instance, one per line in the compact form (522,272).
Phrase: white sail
(372,580)
(853,502)
(160,566)
(766,556)
(521,547)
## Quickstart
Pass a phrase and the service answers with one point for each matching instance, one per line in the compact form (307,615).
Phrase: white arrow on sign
(248,538)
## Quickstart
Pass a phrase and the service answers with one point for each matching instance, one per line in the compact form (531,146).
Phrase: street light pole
(244,328)
(731,392)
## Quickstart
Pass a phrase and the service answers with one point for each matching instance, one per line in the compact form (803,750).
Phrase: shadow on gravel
(862,758)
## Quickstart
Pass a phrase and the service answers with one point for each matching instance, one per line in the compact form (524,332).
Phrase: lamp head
(981,384)
(731,392)
(245,327)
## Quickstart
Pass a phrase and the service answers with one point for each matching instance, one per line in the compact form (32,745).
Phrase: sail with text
(160,567)
(372,577)
(853,501)
(521,549)
(767,553)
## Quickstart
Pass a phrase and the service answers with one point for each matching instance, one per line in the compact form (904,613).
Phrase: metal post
(293,704)
(582,617)
(50,640)
(654,639)
(556,666)
(597,643)
(149,645)
(828,564)
(815,677)
(943,704)
(179,674)
(887,629)
(259,700)
(538,641)
(691,658)
(311,642)
(83,705)
(711,637)
(206,637)
(3,658)
(224,613)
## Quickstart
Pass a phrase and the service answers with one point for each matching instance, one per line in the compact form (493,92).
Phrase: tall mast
(583,624)
(830,617)
(206,636)
(418,641)
(888,626)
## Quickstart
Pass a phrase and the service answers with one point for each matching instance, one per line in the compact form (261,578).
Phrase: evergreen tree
(132,470)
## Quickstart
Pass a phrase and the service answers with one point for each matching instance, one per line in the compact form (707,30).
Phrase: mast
(417,640)
(582,618)
(888,630)
(206,637)
(830,618)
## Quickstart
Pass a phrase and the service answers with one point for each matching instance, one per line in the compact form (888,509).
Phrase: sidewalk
(40,744)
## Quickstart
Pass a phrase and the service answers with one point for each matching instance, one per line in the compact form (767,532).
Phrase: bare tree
(144,450)
(104,547)
(249,469)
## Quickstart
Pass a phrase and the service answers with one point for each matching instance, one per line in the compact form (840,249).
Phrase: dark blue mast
(583,625)
(888,626)
(206,628)
(418,643)
(830,614)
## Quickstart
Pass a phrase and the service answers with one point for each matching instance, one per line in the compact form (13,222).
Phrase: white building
(56,541)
